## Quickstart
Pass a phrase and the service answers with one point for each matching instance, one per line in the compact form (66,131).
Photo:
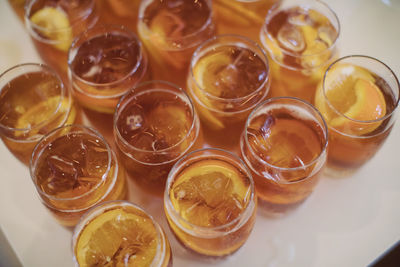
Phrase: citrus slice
(351,90)
(209,189)
(204,73)
(117,238)
(54,24)
(42,112)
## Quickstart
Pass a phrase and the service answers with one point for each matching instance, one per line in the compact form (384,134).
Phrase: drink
(155,124)
(33,101)
(229,76)
(104,63)
(301,41)
(358,99)
(244,17)
(210,202)
(73,169)
(284,144)
(54,24)
(171,30)
(119,233)
(18,6)
(119,12)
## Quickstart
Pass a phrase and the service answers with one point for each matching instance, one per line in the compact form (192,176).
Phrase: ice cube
(327,34)
(291,38)
(63,174)
(299,18)
(96,159)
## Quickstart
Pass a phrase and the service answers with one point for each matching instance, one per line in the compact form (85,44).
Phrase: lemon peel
(54,24)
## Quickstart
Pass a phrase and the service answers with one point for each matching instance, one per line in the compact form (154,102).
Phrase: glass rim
(47,69)
(100,208)
(38,151)
(372,59)
(245,214)
(272,12)
(318,117)
(27,15)
(207,24)
(243,40)
(111,28)
(119,108)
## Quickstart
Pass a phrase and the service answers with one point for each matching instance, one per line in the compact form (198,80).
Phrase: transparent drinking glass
(358,98)
(285,146)
(155,124)
(104,63)
(300,37)
(33,101)
(229,76)
(73,169)
(210,202)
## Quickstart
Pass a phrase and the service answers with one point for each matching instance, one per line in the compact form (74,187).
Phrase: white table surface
(345,222)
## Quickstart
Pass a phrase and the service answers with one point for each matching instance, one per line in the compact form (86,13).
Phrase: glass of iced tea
(73,169)
(119,233)
(358,98)
(300,37)
(229,76)
(155,124)
(210,202)
(121,12)
(244,17)
(171,30)
(33,101)
(105,62)
(53,25)
(285,146)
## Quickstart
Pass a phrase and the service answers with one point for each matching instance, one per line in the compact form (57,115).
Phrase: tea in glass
(73,169)
(300,37)
(171,30)
(210,202)
(358,98)
(33,101)
(104,63)
(154,125)
(119,233)
(284,144)
(244,17)
(229,76)
(54,24)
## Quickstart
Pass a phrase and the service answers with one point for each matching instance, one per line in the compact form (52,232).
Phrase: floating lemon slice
(351,90)
(117,238)
(54,24)
(213,180)
(204,73)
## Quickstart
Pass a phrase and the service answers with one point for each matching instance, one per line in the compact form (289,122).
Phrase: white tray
(345,222)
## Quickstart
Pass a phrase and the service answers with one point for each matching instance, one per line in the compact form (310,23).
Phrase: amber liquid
(31,106)
(119,12)
(104,68)
(301,45)
(171,30)
(155,130)
(127,237)
(241,17)
(82,14)
(227,82)
(72,174)
(278,142)
(206,197)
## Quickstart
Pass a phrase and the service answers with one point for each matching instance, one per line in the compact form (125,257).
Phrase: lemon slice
(203,73)
(54,24)
(351,90)
(207,190)
(117,238)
